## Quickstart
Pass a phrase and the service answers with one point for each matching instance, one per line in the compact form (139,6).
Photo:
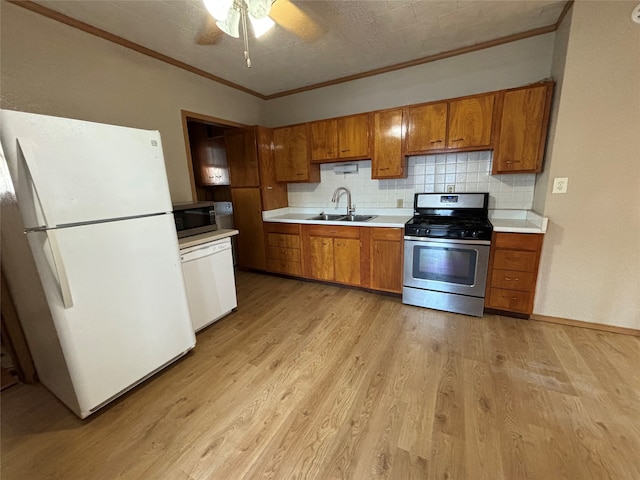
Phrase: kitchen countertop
(513,221)
(518,221)
(194,240)
(385,217)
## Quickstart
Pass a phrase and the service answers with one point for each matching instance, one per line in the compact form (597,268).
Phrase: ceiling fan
(230,17)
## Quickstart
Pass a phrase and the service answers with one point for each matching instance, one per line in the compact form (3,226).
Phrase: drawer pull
(510,298)
(513,259)
(509,279)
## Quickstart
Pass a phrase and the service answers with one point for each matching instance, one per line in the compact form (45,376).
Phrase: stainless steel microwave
(194,218)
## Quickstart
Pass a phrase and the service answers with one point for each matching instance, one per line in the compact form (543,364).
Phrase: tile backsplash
(467,172)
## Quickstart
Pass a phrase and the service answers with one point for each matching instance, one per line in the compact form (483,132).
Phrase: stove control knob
(474,234)
(463,233)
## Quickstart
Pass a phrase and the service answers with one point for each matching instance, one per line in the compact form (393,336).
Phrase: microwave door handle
(34,173)
(65,287)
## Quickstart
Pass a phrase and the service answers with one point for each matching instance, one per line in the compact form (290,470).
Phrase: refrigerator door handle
(34,173)
(65,288)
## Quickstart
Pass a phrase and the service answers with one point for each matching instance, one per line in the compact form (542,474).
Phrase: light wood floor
(319,382)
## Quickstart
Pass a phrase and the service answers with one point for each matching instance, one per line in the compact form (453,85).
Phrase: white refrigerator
(95,204)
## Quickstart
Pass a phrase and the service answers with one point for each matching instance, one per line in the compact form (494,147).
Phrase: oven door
(443,265)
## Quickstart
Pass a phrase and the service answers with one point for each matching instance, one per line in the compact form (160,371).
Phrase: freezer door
(82,171)
(129,314)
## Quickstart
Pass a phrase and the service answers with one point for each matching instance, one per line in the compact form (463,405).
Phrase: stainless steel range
(446,252)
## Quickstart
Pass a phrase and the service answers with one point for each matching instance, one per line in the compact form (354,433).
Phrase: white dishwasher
(209,280)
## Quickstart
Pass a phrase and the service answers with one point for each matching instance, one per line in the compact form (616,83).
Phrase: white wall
(590,267)
(50,68)
(504,66)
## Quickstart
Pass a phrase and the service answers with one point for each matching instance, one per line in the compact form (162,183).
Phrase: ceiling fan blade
(210,34)
(294,20)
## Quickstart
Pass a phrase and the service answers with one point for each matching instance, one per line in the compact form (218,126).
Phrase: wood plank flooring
(310,381)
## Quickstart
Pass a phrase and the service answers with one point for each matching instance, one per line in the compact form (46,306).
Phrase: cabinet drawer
(283,240)
(512,280)
(281,253)
(515,260)
(509,300)
(518,241)
(289,228)
(333,231)
(283,266)
(385,233)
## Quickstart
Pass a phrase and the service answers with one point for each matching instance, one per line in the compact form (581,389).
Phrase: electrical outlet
(399,203)
(450,188)
(560,185)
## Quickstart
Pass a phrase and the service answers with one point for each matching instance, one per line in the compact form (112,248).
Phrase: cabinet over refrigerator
(95,204)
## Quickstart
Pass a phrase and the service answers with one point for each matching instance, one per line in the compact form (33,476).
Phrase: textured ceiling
(359,36)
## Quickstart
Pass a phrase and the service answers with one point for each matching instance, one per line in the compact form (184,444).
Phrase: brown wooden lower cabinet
(336,254)
(247,208)
(369,257)
(513,271)
(284,253)
(386,259)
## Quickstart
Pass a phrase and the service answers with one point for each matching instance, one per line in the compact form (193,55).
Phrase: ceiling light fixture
(231,15)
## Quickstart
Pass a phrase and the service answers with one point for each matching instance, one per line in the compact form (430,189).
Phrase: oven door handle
(447,240)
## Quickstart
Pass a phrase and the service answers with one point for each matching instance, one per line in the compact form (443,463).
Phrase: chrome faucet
(350,208)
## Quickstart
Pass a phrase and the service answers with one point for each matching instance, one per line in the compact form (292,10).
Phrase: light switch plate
(560,185)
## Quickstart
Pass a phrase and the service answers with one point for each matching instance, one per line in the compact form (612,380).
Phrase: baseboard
(593,326)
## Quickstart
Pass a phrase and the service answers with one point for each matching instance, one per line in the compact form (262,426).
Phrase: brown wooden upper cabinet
(463,124)
(523,116)
(242,157)
(387,160)
(339,139)
(209,156)
(291,155)
(324,139)
(426,127)
(470,122)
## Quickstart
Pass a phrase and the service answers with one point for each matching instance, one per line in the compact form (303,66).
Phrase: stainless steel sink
(342,218)
(356,218)
(326,217)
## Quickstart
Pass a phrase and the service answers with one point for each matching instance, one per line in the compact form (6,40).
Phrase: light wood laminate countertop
(194,240)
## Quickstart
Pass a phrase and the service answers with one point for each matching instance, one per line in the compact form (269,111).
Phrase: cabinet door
(387,160)
(274,194)
(321,258)
(346,258)
(353,136)
(291,155)
(242,157)
(386,259)
(324,140)
(524,116)
(211,161)
(426,128)
(247,217)
(470,121)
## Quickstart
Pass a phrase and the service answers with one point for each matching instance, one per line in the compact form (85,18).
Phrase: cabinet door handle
(457,139)
(510,298)
(510,162)
(511,258)
(438,141)
(299,174)
(385,168)
(347,150)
